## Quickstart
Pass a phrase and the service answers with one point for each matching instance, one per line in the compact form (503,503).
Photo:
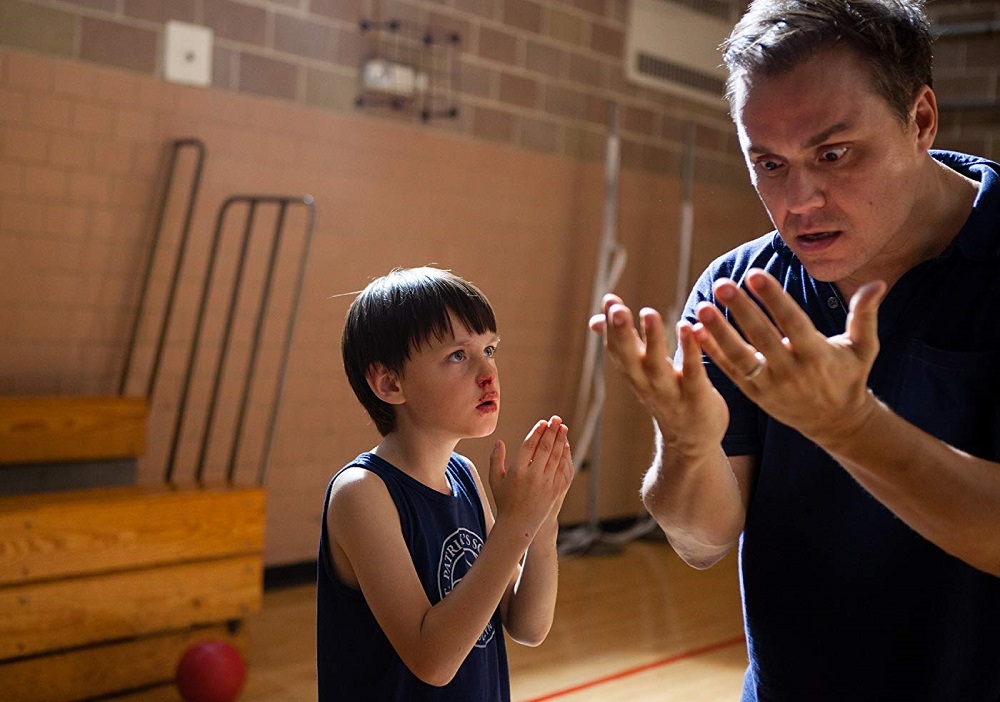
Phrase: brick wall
(536,74)
(509,195)
(82,158)
(967,75)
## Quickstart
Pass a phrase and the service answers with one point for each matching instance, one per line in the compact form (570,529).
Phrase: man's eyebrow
(825,134)
(808,143)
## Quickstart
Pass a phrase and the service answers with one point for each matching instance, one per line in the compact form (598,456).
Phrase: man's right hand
(690,412)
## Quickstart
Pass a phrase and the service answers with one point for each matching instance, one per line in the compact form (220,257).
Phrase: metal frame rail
(278,237)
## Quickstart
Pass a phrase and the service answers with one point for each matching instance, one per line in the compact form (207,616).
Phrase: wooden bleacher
(102,589)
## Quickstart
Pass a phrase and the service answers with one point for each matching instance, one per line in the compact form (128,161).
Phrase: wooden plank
(107,669)
(92,531)
(61,614)
(52,429)
(166,692)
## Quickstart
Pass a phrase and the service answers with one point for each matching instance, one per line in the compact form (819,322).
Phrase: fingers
(790,318)
(741,358)
(566,469)
(753,322)
(598,322)
(655,337)
(722,343)
(551,446)
(531,441)
(620,336)
(691,352)
(541,441)
(862,320)
(640,354)
(497,459)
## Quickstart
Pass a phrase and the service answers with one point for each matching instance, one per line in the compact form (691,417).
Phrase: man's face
(834,167)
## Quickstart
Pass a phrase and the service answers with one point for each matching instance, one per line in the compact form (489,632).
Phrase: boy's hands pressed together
(528,496)
(531,491)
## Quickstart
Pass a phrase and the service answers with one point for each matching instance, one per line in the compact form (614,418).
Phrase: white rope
(611,261)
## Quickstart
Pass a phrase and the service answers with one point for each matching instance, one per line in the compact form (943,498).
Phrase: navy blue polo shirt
(842,600)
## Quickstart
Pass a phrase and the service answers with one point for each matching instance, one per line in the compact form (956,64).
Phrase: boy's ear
(385,384)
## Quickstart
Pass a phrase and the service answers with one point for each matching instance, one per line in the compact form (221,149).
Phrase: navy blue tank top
(444,534)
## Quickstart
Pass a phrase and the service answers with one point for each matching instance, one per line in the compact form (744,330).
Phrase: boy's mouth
(488,401)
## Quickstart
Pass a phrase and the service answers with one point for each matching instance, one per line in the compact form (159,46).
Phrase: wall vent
(673,48)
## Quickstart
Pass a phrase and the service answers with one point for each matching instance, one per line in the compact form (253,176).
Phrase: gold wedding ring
(755,371)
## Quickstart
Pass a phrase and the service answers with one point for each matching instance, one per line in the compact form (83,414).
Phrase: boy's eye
(457,355)
(490,351)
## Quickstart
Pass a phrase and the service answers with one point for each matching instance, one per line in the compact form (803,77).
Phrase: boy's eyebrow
(468,339)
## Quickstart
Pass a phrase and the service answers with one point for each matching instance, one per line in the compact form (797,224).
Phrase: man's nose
(804,191)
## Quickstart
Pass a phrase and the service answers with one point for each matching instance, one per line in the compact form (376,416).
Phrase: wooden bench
(102,589)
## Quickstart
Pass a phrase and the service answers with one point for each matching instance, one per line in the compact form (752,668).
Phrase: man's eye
(768,165)
(833,155)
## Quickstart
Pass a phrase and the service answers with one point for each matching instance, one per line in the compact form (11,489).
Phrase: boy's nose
(486,379)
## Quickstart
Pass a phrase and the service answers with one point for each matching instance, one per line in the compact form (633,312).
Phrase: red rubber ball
(210,671)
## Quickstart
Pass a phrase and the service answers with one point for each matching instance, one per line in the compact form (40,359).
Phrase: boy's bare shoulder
(355,484)
(466,461)
(470,466)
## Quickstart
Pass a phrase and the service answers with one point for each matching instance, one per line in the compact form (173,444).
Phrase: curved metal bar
(176,147)
(227,333)
(310,204)
(255,343)
(195,345)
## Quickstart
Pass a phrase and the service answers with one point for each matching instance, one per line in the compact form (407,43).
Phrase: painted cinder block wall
(509,195)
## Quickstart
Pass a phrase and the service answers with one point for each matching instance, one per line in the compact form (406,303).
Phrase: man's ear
(925,117)
(385,384)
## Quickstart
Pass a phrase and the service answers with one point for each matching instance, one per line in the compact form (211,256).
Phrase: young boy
(416,578)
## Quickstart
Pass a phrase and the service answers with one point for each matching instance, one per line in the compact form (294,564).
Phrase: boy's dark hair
(893,36)
(397,314)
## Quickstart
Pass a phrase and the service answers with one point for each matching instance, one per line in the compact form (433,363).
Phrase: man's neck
(949,197)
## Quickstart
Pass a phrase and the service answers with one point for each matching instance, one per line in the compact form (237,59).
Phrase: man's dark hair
(892,36)
(395,315)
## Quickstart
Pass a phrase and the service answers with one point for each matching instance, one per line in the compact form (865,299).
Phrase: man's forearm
(697,500)
(948,496)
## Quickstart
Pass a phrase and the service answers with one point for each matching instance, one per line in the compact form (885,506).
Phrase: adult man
(859,445)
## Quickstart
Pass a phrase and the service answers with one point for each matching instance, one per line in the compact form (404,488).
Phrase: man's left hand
(815,384)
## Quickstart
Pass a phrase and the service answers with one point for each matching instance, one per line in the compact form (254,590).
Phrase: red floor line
(640,668)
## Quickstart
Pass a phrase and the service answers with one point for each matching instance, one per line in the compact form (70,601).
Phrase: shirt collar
(979,237)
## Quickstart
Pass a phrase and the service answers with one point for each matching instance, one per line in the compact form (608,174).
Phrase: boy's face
(450,386)
(833,164)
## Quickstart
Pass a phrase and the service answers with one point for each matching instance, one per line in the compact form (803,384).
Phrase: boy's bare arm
(432,641)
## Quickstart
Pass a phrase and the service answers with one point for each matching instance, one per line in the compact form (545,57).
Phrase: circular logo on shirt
(458,552)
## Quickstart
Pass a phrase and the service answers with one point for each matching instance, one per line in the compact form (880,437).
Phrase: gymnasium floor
(638,625)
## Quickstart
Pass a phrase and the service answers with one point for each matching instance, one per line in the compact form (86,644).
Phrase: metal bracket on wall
(409,69)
